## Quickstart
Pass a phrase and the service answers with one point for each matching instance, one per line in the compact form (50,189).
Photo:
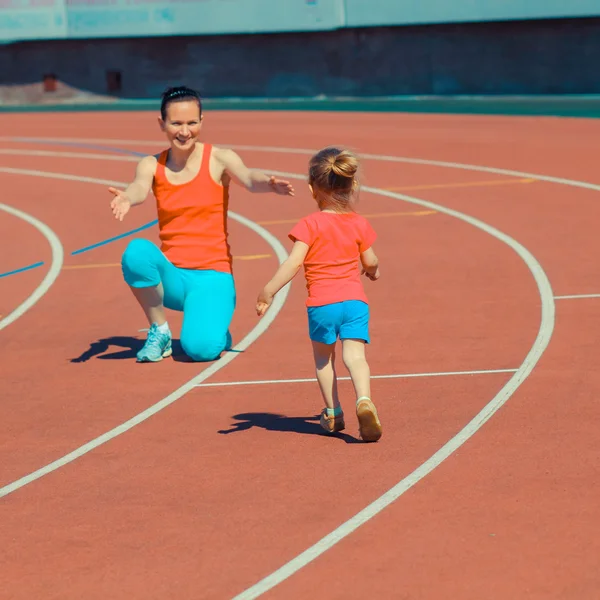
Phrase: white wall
(51,19)
(403,12)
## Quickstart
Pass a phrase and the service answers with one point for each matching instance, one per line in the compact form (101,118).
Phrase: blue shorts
(346,320)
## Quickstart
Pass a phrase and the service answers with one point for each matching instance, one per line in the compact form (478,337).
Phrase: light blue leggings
(206,297)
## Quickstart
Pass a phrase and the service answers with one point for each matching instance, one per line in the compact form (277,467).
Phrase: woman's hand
(281,186)
(120,204)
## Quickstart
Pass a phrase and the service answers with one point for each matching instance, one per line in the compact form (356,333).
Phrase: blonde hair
(332,173)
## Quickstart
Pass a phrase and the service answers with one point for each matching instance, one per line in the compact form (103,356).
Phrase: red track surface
(174,508)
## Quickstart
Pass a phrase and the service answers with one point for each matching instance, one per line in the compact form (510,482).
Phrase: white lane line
(87,155)
(62,176)
(533,356)
(51,275)
(79,141)
(577,296)
(254,334)
(392,376)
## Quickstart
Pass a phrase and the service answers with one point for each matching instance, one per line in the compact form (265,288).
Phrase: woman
(192,271)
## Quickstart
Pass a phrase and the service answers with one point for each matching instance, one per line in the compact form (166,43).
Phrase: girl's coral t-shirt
(331,266)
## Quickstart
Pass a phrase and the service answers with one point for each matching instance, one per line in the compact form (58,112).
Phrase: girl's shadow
(274,422)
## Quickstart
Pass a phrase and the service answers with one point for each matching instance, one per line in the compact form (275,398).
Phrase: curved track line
(284,150)
(254,334)
(540,344)
(51,275)
(433,163)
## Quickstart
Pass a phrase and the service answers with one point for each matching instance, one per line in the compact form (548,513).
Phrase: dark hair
(332,174)
(178,94)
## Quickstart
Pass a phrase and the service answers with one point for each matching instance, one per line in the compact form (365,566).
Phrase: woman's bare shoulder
(146,166)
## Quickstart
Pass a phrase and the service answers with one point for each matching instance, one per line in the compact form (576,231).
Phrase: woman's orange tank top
(192,218)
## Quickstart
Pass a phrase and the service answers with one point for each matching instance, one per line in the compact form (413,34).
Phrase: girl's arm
(253,180)
(370,264)
(286,272)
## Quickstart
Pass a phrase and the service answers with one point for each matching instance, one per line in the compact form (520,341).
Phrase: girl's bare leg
(324,355)
(353,354)
(332,417)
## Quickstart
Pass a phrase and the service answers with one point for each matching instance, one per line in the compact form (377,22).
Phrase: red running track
(228,484)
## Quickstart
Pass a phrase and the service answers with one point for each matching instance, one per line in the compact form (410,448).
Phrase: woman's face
(182,124)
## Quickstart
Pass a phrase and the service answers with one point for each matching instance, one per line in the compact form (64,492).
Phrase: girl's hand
(120,204)
(372,275)
(263,302)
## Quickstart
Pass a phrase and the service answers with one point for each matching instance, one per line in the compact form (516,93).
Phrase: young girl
(330,244)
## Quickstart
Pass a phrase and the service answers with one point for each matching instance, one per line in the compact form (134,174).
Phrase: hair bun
(344,164)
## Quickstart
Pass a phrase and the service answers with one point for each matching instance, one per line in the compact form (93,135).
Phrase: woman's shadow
(274,422)
(131,346)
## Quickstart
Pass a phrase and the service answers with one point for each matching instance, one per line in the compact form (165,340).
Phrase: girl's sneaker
(369,425)
(330,423)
